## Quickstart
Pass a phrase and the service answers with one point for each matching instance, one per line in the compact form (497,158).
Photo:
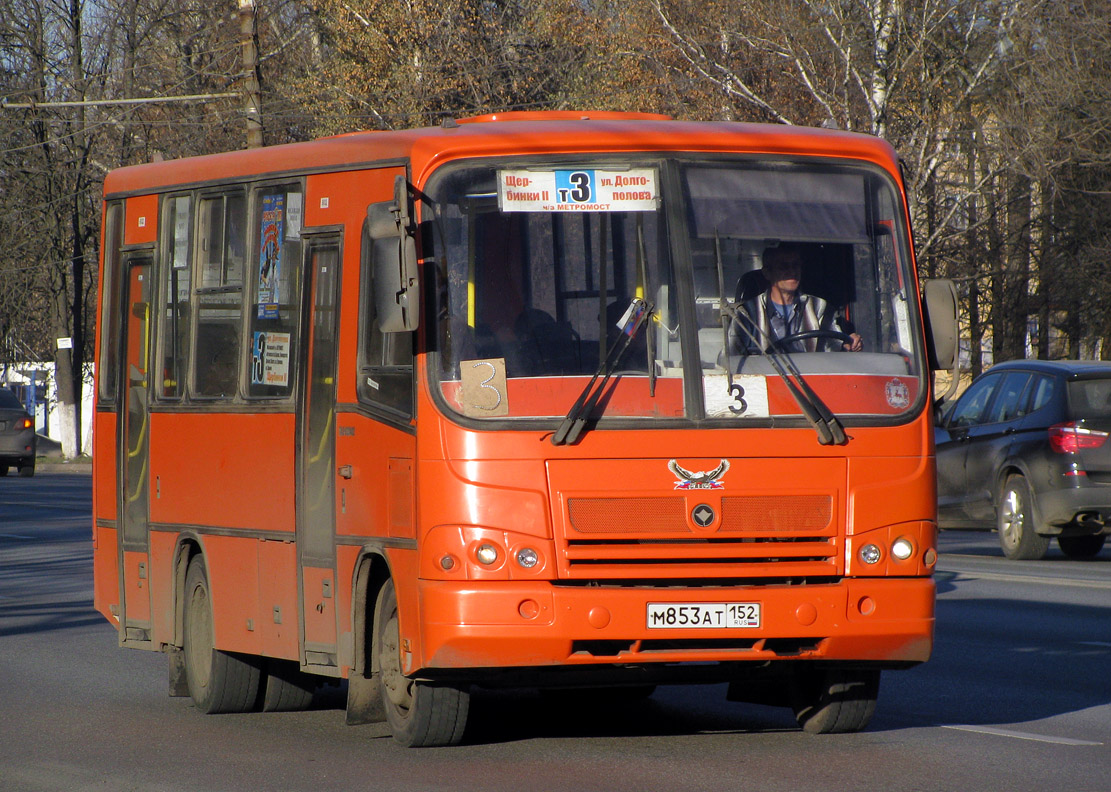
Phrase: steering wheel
(844,338)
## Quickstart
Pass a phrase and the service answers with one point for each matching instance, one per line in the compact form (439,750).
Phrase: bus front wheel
(419,713)
(834,700)
(218,681)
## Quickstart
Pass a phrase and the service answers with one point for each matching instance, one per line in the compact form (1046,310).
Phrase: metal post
(252,99)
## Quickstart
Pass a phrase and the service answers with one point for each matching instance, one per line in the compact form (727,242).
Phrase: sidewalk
(50,459)
(79,467)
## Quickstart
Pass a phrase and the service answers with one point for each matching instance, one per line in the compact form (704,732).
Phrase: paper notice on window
(746,398)
(483,393)
(293,216)
(578,190)
(270,359)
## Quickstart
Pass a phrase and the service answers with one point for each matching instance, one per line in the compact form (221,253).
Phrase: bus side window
(109,312)
(385,359)
(175,317)
(274,307)
(219,295)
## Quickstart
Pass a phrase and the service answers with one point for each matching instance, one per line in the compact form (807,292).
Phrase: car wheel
(27,470)
(419,713)
(1081,546)
(1014,518)
(3,470)
(834,700)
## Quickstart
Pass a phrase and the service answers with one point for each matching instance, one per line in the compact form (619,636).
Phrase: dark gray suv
(17,436)
(1025,450)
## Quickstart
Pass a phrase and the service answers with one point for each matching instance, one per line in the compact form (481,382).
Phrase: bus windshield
(748,267)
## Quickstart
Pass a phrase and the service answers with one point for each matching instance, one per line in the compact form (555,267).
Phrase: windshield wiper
(825,423)
(572,425)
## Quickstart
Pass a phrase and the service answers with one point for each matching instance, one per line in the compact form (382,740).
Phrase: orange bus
(490,404)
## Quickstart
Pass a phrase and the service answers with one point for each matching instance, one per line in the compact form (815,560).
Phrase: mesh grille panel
(802,514)
(628,515)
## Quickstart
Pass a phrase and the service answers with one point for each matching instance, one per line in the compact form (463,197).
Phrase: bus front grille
(749,536)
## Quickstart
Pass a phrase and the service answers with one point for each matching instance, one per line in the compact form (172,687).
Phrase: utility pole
(251,93)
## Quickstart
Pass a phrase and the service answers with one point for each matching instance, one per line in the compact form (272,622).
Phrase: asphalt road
(1017,697)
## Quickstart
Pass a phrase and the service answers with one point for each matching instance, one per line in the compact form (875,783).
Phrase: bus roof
(500,134)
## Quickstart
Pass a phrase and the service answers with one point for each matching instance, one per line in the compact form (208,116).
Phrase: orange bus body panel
(277,623)
(226,470)
(106,573)
(141,220)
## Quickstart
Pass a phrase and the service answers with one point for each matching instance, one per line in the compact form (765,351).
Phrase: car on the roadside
(1026,451)
(17,435)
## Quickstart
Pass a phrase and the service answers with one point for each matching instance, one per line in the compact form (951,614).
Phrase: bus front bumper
(537,624)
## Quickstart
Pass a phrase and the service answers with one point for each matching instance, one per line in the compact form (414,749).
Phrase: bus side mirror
(939,310)
(396,279)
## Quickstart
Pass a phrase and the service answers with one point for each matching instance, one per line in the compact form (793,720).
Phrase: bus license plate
(703,615)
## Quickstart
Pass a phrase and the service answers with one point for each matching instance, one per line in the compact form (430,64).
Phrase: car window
(1007,404)
(970,407)
(8,400)
(1090,398)
(1042,391)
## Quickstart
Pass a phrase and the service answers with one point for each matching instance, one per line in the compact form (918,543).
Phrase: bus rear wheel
(287,687)
(420,714)
(834,700)
(218,681)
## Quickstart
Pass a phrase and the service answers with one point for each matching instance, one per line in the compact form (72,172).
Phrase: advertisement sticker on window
(270,255)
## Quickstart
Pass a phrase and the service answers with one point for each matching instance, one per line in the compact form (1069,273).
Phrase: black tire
(288,688)
(834,700)
(27,470)
(3,470)
(1081,546)
(1014,519)
(420,714)
(218,681)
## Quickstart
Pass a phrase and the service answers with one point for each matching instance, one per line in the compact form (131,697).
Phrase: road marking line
(15,536)
(958,576)
(1019,735)
(1095,643)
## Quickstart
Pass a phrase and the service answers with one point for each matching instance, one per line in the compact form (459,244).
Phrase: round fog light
(902,548)
(486,554)
(447,562)
(870,554)
(527,557)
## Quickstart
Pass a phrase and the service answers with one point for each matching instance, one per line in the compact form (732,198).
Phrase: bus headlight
(902,548)
(870,554)
(527,557)
(486,554)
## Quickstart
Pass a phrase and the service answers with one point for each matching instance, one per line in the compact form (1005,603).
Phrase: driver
(782,310)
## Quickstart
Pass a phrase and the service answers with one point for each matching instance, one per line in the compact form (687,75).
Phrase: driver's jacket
(807,313)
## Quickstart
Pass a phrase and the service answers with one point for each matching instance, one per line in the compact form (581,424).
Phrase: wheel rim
(1012,518)
(199,637)
(397,687)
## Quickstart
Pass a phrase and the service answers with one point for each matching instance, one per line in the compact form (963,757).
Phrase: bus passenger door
(316,513)
(133,444)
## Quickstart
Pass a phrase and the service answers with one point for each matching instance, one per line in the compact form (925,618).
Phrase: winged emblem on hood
(701,479)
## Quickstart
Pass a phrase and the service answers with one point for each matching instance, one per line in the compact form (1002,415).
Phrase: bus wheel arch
(217,681)
(188,547)
(364,697)
(420,713)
